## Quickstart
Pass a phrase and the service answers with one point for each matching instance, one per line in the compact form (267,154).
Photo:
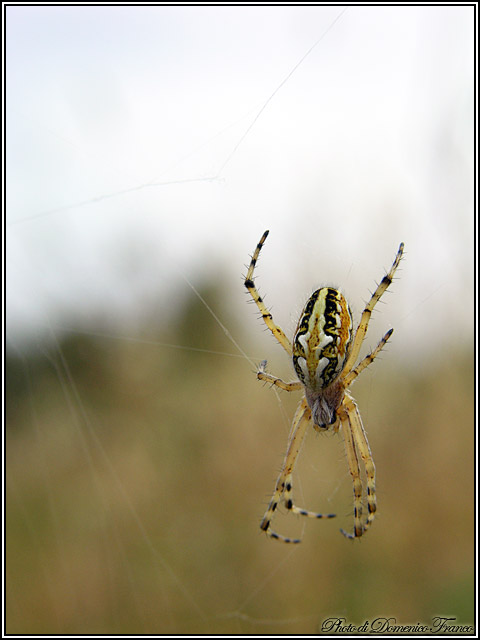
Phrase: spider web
(124,517)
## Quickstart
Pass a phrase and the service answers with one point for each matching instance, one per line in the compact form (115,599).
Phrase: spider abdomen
(322,339)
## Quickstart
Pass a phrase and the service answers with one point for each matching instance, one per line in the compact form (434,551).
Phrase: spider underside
(324,351)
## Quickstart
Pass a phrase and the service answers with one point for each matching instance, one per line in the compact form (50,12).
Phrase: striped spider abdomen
(320,348)
(322,338)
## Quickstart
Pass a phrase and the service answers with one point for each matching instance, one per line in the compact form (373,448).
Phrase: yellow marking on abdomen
(322,338)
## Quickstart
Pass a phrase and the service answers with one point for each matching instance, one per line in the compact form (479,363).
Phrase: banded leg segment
(283,486)
(366,361)
(363,448)
(253,291)
(299,427)
(354,468)
(277,382)
(356,441)
(367,313)
(297,510)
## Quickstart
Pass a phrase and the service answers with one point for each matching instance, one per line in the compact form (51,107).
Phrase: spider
(324,351)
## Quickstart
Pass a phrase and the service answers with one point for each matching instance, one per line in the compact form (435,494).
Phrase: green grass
(135,491)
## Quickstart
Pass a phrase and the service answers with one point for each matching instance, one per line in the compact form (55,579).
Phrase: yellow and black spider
(324,351)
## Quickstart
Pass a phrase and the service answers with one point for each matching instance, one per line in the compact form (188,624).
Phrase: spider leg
(277,382)
(283,486)
(354,468)
(366,361)
(356,439)
(253,291)
(299,427)
(367,312)
(294,509)
(366,454)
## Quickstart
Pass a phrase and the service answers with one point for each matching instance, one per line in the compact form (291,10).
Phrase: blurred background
(148,148)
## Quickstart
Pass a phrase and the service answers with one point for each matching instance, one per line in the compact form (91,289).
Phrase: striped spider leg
(324,351)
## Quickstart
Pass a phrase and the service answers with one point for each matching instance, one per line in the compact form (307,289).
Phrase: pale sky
(139,154)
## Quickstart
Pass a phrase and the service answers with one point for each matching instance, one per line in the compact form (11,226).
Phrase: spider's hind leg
(253,291)
(367,312)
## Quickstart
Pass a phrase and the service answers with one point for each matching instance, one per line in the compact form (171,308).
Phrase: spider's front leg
(356,441)
(283,486)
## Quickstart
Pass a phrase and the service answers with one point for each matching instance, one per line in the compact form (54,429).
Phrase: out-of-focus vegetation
(137,474)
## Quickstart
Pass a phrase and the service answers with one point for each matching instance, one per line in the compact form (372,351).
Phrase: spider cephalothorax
(324,351)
